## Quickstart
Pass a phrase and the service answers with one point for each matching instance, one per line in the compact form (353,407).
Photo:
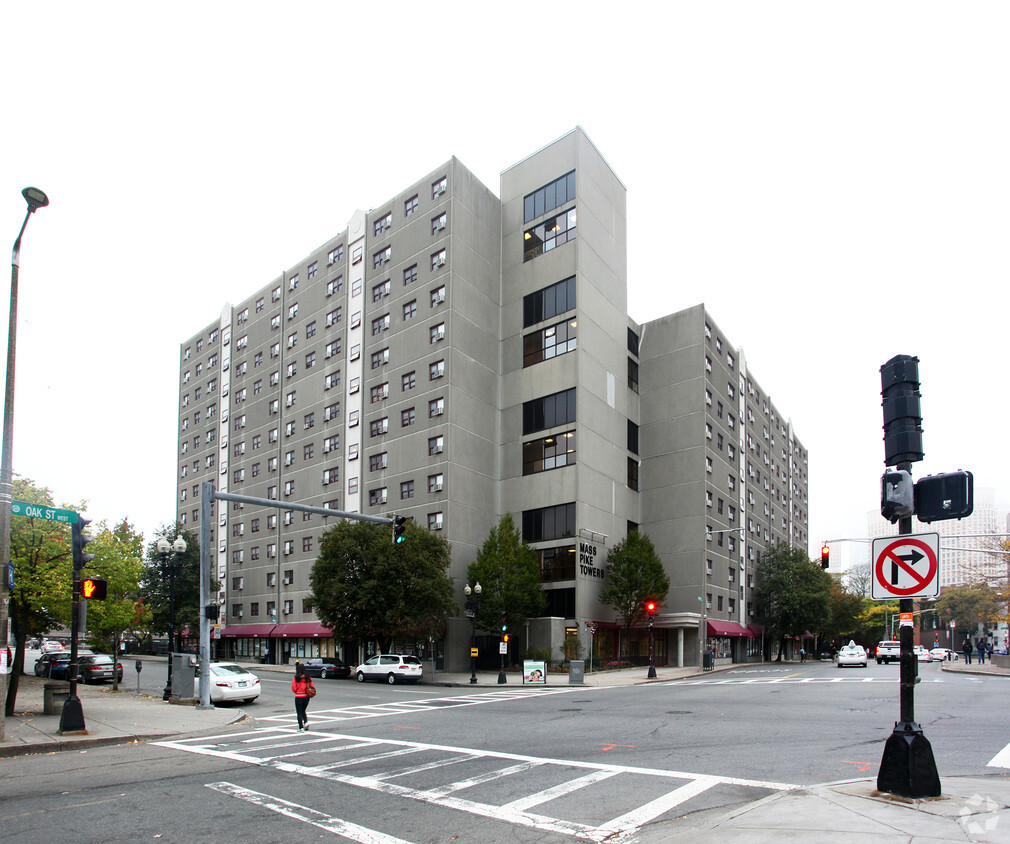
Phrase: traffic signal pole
(907,767)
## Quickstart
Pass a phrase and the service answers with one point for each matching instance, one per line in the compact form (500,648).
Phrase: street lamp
(35,199)
(472,608)
(170,568)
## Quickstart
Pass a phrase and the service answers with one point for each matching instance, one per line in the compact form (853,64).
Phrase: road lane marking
(347,829)
(1001,759)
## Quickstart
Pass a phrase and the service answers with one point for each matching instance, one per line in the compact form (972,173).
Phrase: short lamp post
(170,567)
(472,608)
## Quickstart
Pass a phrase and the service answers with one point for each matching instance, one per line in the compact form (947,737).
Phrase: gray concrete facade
(396,368)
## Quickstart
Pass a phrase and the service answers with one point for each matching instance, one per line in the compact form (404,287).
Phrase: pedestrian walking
(967,651)
(981,652)
(302,686)
(803,655)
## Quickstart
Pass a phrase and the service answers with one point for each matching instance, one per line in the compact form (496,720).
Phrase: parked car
(852,654)
(229,681)
(52,665)
(97,668)
(390,667)
(888,652)
(941,654)
(325,667)
(922,654)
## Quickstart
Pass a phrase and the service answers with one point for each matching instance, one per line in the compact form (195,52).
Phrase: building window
(436,333)
(293,282)
(334,285)
(633,375)
(438,223)
(632,437)
(309,421)
(548,303)
(436,370)
(550,196)
(632,474)
(438,296)
(550,342)
(436,407)
(434,521)
(410,310)
(436,482)
(410,206)
(331,412)
(383,223)
(407,417)
(381,324)
(438,260)
(377,462)
(335,254)
(380,290)
(381,257)
(380,358)
(439,187)
(547,523)
(379,392)
(549,411)
(377,496)
(410,275)
(406,489)
(551,233)
(354,385)
(378,427)
(331,476)
(436,444)
(549,453)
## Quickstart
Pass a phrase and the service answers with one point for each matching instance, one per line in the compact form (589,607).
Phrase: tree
(366,588)
(119,559)
(969,606)
(635,574)
(509,575)
(857,580)
(793,593)
(43,576)
(844,611)
(155,584)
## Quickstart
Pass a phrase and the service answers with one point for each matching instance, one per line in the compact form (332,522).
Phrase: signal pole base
(72,717)
(501,676)
(907,768)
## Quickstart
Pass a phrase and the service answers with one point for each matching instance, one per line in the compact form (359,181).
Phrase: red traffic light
(824,555)
(650,607)
(505,637)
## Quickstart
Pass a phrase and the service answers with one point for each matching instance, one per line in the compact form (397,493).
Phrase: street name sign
(906,567)
(41,511)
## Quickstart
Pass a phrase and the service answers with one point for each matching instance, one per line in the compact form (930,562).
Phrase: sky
(829,179)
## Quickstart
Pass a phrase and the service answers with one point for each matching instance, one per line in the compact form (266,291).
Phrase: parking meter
(138,666)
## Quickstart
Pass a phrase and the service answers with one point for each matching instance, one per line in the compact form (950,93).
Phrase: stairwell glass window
(551,233)
(548,453)
(550,342)
(549,302)
(550,196)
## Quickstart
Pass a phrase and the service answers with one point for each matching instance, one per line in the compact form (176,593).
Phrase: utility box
(576,672)
(183,677)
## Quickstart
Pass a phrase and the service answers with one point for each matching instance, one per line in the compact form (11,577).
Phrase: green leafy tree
(969,606)
(793,594)
(874,622)
(118,558)
(366,588)
(155,582)
(844,611)
(509,575)
(43,577)
(635,574)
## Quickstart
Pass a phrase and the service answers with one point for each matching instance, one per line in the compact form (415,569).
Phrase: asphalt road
(434,764)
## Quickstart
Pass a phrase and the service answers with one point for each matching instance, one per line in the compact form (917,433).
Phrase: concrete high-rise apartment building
(454,355)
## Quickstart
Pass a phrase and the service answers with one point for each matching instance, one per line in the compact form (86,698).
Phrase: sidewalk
(109,717)
(852,812)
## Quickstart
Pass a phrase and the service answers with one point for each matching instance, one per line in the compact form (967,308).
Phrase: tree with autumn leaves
(42,597)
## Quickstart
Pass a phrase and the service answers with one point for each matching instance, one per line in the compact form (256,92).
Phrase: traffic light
(399,527)
(79,540)
(899,389)
(94,588)
(505,638)
(950,495)
(650,608)
(896,495)
(824,555)
(504,621)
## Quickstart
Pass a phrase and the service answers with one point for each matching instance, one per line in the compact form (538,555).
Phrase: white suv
(390,667)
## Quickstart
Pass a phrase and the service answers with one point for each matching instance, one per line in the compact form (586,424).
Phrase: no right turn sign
(906,567)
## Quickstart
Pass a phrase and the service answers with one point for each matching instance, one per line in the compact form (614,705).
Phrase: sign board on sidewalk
(905,567)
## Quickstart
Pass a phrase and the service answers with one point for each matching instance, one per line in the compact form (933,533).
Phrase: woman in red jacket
(300,685)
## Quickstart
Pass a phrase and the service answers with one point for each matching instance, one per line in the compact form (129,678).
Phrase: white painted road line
(348,830)
(1001,759)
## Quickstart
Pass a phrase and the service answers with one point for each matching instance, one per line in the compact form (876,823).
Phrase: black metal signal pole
(907,767)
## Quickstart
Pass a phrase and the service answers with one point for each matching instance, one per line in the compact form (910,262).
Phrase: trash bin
(54,694)
(576,672)
(708,661)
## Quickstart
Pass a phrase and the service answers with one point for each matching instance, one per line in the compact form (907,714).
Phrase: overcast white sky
(830,179)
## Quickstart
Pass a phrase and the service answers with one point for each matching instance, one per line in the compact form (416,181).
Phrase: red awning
(248,630)
(304,628)
(728,628)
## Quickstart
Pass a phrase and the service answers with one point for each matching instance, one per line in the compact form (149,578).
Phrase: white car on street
(852,654)
(229,681)
(391,668)
(941,654)
(922,654)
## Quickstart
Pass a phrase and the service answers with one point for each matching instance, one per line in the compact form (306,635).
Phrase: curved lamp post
(35,199)
(170,568)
